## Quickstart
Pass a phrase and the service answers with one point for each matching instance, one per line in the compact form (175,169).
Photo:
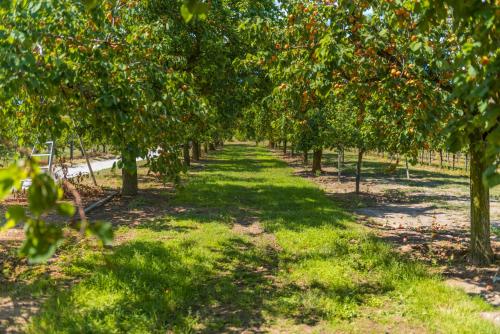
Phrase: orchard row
(397,76)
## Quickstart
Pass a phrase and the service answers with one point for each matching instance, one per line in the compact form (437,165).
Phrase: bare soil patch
(15,314)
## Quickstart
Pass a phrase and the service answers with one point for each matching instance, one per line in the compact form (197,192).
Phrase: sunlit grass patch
(312,268)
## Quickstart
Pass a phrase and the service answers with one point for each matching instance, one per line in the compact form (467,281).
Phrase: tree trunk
(453,162)
(305,157)
(196,150)
(103,148)
(466,162)
(407,169)
(211,146)
(481,252)
(205,147)
(284,147)
(71,149)
(430,158)
(316,165)
(343,157)
(129,174)
(358,170)
(441,158)
(339,165)
(185,153)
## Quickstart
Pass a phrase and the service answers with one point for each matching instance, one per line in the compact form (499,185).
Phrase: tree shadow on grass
(182,285)
(241,165)
(297,207)
(153,287)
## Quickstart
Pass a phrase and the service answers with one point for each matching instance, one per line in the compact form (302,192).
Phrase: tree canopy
(157,76)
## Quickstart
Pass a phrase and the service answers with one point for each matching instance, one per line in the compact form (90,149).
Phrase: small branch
(79,205)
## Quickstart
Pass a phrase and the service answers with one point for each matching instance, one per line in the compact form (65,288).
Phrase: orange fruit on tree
(485,60)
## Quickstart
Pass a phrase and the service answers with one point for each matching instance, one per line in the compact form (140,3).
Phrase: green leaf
(472,72)
(35,7)
(416,46)
(66,209)
(102,230)
(43,194)
(186,13)
(10,178)
(7,225)
(14,215)
(41,241)
(491,177)
(90,4)
(194,8)
(16,212)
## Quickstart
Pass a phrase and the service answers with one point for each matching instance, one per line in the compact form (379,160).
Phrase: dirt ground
(426,218)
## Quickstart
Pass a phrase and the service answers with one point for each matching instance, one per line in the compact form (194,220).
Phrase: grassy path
(253,248)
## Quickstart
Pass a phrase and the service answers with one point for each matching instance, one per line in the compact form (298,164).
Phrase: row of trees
(397,76)
(119,71)
(131,74)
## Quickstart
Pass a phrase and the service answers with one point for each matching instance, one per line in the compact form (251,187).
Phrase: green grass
(193,272)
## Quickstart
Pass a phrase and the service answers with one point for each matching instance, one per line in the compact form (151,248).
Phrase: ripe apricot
(485,60)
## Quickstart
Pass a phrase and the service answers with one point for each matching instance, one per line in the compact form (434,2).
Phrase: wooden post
(358,170)
(407,169)
(71,149)
(87,159)
(339,164)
